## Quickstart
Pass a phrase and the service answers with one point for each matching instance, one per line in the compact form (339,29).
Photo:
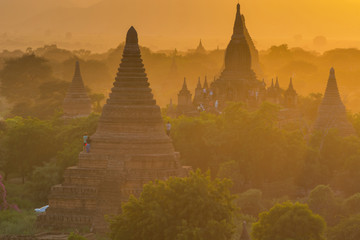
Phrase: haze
(100,24)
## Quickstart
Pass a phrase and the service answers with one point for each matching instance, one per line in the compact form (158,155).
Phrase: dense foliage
(194,207)
(289,221)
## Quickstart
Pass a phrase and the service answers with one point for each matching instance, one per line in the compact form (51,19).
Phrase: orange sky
(166,24)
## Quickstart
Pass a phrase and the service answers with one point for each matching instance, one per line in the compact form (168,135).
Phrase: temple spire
(77,73)
(277,83)
(77,102)
(291,87)
(198,84)
(238,25)
(200,48)
(206,86)
(184,87)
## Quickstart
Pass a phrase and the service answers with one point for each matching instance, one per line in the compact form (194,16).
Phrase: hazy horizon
(98,25)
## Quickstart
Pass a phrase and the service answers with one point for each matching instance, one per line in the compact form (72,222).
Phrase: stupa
(332,113)
(130,148)
(76,103)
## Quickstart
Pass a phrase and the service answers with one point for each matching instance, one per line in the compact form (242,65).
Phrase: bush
(13,222)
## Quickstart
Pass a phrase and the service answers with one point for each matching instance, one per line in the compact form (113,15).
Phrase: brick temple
(77,102)
(130,148)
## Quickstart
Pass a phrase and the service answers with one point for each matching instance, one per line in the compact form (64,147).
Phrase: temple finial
(184,84)
(332,73)
(131,36)
(238,25)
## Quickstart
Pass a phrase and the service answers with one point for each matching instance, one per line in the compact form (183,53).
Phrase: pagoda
(129,148)
(332,113)
(237,81)
(198,98)
(200,48)
(76,103)
(290,96)
(185,105)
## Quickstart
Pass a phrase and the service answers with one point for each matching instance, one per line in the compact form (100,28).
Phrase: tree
(352,204)
(322,201)
(21,77)
(289,221)
(42,179)
(96,99)
(28,143)
(250,202)
(347,229)
(180,208)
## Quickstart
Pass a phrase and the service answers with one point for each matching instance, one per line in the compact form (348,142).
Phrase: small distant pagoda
(76,103)
(198,98)
(130,148)
(200,48)
(273,93)
(185,105)
(290,96)
(332,113)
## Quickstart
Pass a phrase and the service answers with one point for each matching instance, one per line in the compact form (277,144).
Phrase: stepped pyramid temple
(332,113)
(76,103)
(130,148)
(238,81)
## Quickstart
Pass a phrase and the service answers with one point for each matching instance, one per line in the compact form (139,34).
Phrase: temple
(332,113)
(76,103)
(200,48)
(237,81)
(185,105)
(130,148)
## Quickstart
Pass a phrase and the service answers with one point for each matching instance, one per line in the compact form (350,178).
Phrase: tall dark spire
(238,30)
(332,113)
